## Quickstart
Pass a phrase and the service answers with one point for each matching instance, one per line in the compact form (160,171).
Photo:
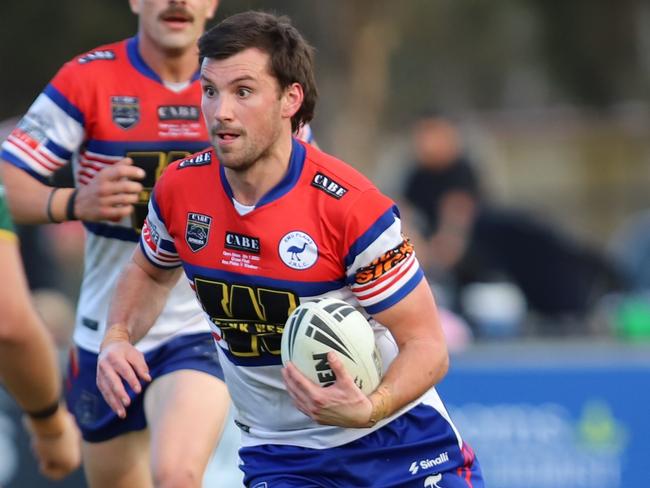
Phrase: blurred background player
(485,256)
(228,216)
(28,364)
(119,114)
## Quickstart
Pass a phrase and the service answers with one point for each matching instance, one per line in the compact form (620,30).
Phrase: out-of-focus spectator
(534,267)
(443,187)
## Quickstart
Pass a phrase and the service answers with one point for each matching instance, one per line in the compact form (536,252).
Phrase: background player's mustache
(176,10)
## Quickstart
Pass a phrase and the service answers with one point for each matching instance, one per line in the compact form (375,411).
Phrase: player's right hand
(342,403)
(117,361)
(110,195)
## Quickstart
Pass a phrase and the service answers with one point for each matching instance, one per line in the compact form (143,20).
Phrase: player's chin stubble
(234,162)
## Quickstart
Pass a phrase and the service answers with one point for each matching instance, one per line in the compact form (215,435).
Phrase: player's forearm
(29,366)
(422,360)
(29,199)
(419,365)
(137,302)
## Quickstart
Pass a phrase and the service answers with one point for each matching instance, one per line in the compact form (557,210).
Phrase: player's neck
(251,185)
(172,66)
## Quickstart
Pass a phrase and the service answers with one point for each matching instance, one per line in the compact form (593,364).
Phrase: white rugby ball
(315,328)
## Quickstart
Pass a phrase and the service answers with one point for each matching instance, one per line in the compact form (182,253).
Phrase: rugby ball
(315,328)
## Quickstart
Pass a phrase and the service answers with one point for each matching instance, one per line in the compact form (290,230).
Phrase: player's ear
(135,6)
(212,8)
(292,99)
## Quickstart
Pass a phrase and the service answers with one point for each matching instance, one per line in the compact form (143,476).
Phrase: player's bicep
(163,276)
(382,267)
(414,317)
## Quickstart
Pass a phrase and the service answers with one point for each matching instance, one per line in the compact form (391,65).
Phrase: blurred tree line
(460,53)
(380,61)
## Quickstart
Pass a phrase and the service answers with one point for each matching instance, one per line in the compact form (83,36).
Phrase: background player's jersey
(324,230)
(100,107)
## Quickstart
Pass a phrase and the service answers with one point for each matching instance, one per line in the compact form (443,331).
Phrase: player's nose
(222,109)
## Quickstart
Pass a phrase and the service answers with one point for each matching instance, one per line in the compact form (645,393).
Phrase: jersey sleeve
(52,130)
(155,241)
(381,266)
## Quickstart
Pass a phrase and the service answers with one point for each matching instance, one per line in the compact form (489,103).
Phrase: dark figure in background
(468,240)
(443,187)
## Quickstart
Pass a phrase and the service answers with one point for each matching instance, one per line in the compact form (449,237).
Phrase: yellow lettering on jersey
(251,319)
(153,163)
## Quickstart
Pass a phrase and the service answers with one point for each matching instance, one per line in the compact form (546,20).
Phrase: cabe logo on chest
(329,186)
(242,242)
(178,112)
(197,230)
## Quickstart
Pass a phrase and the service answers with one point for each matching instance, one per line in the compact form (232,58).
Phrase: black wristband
(69,209)
(48,207)
(45,412)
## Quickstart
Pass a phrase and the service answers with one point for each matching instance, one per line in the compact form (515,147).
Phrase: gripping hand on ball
(342,403)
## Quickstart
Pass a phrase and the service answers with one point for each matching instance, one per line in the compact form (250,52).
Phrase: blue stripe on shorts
(418,449)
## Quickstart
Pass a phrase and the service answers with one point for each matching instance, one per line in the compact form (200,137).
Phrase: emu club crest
(298,250)
(197,230)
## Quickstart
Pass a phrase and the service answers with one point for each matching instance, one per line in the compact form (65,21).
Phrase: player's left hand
(342,404)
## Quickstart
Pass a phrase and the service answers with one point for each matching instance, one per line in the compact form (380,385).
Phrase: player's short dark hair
(291,56)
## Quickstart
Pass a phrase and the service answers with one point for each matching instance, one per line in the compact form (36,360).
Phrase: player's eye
(209,91)
(243,92)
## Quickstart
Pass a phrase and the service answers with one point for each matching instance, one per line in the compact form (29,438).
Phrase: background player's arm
(27,197)
(110,195)
(140,295)
(422,361)
(29,370)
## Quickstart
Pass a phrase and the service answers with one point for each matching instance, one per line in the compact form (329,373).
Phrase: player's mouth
(176,17)
(225,137)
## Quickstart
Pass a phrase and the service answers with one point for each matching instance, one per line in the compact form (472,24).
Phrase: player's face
(173,24)
(245,111)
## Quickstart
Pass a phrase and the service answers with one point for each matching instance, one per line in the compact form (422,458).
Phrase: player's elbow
(11,330)
(441,363)
(444,364)
(18,321)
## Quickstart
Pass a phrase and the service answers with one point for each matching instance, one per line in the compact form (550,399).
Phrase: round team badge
(297,250)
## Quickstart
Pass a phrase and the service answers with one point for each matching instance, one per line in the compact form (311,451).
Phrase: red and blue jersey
(323,231)
(100,107)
